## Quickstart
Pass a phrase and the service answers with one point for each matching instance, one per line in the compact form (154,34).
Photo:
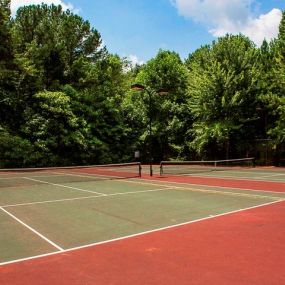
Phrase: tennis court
(243,168)
(115,226)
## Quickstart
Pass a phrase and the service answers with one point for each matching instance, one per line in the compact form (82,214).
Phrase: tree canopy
(65,100)
(222,93)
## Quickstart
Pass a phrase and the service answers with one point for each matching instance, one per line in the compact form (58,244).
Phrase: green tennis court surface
(44,212)
(233,168)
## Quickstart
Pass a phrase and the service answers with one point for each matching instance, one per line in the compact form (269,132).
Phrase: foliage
(276,104)
(5,34)
(65,100)
(53,128)
(55,42)
(99,104)
(7,64)
(166,72)
(16,151)
(222,93)
(273,98)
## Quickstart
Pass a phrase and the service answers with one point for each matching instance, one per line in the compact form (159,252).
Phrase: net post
(161,169)
(140,169)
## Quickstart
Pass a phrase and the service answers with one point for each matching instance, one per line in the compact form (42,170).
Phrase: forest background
(65,100)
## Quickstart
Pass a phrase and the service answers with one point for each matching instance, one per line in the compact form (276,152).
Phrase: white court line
(86,197)
(209,191)
(141,191)
(33,176)
(205,185)
(222,177)
(146,191)
(80,175)
(185,188)
(33,230)
(138,234)
(196,189)
(273,175)
(49,201)
(99,176)
(133,181)
(159,183)
(248,171)
(138,181)
(227,193)
(61,185)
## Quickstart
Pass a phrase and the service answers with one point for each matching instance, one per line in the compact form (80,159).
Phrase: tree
(7,65)
(274,100)
(6,55)
(170,113)
(55,42)
(16,151)
(223,95)
(53,129)
(98,102)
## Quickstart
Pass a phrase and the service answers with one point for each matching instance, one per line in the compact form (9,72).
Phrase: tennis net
(55,175)
(192,167)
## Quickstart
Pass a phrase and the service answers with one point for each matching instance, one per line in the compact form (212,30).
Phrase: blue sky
(139,28)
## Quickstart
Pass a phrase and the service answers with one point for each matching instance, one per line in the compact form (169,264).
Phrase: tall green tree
(274,99)
(266,87)
(7,73)
(6,55)
(223,95)
(98,101)
(55,42)
(170,113)
(54,130)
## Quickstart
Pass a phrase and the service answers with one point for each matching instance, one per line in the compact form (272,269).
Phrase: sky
(137,29)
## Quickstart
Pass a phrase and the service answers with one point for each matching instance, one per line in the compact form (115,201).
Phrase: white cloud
(231,16)
(15,4)
(264,27)
(213,11)
(134,60)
